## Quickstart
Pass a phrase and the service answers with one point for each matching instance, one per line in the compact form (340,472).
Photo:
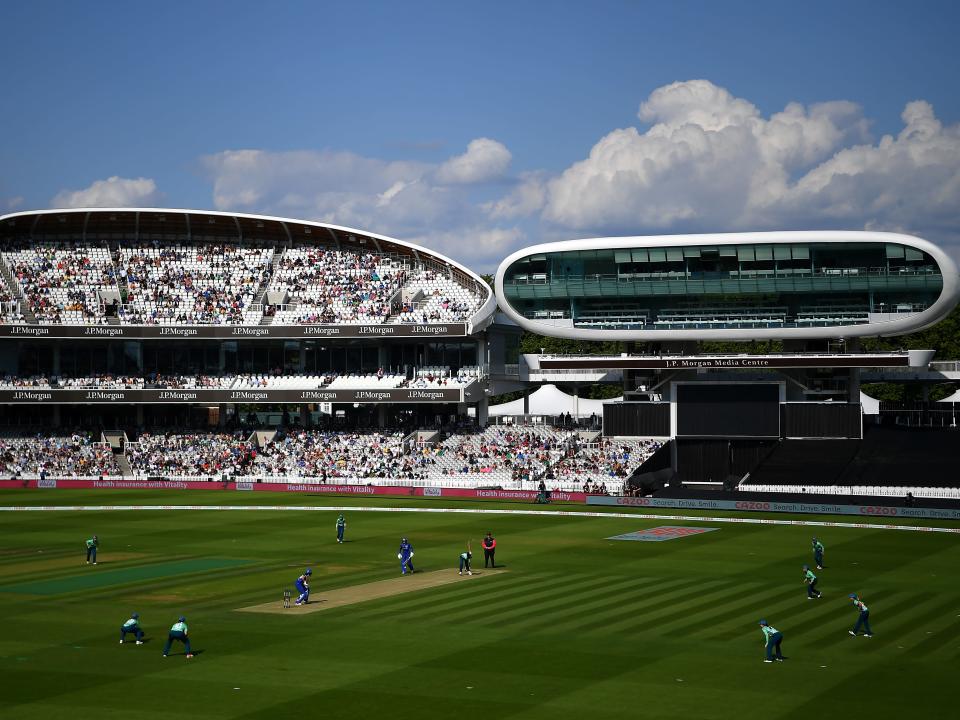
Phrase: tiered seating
(9,306)
(12,382)
(337,455)
(200,454)
(501,455)
(62,284)
(356,381)
(74,455)
(211,285)
(335,287)
(444,300)
(609,463)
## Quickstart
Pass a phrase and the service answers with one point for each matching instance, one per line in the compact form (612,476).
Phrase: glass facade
(723,286)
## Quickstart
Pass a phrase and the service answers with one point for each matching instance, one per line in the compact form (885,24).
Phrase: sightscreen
(728,411)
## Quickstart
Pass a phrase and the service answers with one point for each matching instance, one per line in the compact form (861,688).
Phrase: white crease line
(481,511)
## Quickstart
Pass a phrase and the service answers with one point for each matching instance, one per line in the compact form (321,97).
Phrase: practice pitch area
(573,624)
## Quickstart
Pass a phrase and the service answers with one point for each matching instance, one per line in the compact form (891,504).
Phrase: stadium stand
(190,454)
(213,285)
(64,284)
(37,455)
(435,298)
(335,287)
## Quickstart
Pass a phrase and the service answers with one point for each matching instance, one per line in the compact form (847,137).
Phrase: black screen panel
(727,411)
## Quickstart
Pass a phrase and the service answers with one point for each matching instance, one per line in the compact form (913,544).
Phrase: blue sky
(476,129)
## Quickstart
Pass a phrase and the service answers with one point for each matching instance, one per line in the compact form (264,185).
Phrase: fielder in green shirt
(92,545)
(818,553)
(771,640)
(178,632)
(811,581)
(132,626)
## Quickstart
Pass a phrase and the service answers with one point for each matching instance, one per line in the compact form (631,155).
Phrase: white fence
(898,491)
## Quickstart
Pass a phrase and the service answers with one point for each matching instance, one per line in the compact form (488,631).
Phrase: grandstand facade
(182,344)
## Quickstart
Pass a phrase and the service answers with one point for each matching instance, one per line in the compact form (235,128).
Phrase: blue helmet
(308,571)
(135,616)
(764,622)
(852,596)
(181,619)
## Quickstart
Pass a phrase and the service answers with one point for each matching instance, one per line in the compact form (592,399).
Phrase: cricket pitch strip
(371,591)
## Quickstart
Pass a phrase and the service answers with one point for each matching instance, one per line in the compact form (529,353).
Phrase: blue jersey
(303,582)
(406,549)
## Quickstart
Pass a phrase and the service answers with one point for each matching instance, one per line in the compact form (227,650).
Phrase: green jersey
(818,546)
(179,627)
(768,632)
(341,522)
(92,543)
(809,576)
(860,605)
(131,623)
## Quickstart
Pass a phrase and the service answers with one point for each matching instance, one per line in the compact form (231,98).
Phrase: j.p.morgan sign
(251,395)
(226,332)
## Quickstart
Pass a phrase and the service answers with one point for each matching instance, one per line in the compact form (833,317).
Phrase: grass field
(577,626)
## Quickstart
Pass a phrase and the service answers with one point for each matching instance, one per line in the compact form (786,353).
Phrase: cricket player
(811,581)
(818,554)
(771,640)
(178,632)
(489,544)
(92,545)
(465,558)
(405,556)
(864,618)
(132,626)
(341,527)
(303,587)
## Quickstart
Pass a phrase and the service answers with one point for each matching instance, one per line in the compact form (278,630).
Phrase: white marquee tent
(551,400)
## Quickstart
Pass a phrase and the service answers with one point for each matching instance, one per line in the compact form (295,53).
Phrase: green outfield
(578,626)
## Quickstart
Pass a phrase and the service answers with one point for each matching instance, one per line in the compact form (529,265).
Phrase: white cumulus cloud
(484,160)
(708,160)
(112,192)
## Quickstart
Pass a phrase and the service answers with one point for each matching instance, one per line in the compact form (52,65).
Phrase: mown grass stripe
(613,607)
(542,592)
(655,598)
(753,596)
(652,614)
(781,604)
(566,601)
(899,622)
(94,579)
(456,596)
(843,617)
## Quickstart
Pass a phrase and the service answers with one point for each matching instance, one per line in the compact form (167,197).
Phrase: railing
(857,490)
(759,274)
